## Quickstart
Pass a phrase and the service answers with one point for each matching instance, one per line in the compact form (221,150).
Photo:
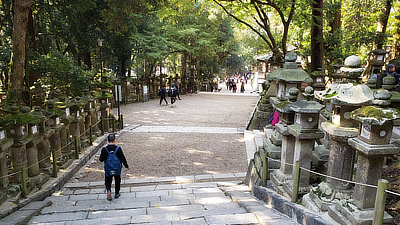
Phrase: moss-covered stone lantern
(372,145)
(345,96)
(289,76)
(286,118)
(305,130)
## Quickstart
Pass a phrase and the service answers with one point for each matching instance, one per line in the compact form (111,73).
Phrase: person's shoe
(109,198)
(117,195)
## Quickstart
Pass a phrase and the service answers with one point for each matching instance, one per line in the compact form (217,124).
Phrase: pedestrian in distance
(172,94)
(162,92)
(113,158)
(391,70)
(177,91)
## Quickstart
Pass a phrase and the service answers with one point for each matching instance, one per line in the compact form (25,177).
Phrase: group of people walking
(232,83)
(173,93)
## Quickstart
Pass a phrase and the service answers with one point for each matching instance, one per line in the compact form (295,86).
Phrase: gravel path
(177,154)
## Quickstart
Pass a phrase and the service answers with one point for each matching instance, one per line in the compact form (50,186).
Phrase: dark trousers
(163,98)
(173,99)
(117,183)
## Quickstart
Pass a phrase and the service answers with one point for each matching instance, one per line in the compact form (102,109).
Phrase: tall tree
(16,88)
(262,24)
(317,39)
(382,23)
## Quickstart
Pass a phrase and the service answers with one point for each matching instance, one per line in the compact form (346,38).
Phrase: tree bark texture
(382,23)
(16,85)
(317,50)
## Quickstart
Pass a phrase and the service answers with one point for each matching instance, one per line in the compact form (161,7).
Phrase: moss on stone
(282,104)
(374,112)
(330,95)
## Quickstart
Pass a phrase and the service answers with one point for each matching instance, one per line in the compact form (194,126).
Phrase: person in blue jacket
(162,92)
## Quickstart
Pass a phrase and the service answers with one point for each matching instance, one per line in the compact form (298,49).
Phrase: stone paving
(203,199)
(215,198)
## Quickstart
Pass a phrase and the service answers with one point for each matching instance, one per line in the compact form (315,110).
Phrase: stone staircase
(204,199)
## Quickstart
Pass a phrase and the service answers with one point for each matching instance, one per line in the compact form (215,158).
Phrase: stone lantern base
(347,212)
(323,196)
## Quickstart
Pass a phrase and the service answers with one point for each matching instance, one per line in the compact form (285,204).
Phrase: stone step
(213,202)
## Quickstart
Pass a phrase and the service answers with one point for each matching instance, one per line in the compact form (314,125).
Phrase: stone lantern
(289,76)
(90,110)
(337,74)
(38,94)
(318,83)
(286,117)
(105,111)
(372,146)
(305,130)
(3,98)
(76,113)
(378,58)
(345,97)
(5,144)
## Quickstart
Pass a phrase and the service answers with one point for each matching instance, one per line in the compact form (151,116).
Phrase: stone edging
(298,212)
(51,187)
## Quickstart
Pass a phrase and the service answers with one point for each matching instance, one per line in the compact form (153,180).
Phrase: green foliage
(60,73)
(18,119)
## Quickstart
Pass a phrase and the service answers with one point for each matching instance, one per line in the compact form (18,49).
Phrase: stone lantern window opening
(336,115)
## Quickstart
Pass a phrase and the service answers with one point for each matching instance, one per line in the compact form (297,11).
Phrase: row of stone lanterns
(40,140)
(355,132)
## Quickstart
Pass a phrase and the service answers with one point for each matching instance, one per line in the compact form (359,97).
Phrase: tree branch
(247,24)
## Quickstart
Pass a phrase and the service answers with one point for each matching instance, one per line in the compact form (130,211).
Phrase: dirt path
(156,154)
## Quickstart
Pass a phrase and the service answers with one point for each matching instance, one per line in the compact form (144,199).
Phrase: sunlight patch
(192,150)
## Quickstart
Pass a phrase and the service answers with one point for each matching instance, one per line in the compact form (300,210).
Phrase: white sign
(365,131)
(67,112)
(34,129)
(144,89)
(2,134)
(77,113)
(118,93)
(58,120)
(23,130)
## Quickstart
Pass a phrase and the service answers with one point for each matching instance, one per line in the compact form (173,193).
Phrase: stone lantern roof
(304,106)
(377,114)
(290,72)
(350,92)
(346,94)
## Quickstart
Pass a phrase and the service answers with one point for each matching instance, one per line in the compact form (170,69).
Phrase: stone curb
(292,210)
(12,216)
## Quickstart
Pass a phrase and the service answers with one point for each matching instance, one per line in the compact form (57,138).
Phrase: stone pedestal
(305,130)
(105,112)
(369,169)
(5,144)
(278,177)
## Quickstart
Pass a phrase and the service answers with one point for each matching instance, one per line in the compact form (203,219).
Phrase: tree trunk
(382,23)
(317,51)
(16,86)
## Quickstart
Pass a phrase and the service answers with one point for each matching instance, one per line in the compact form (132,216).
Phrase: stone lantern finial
(309,93)
(352,68)
(290,63)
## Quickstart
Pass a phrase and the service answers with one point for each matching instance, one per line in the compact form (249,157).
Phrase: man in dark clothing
(111,148)
(391,70)
(162,94)
(177,91)
(172,94)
